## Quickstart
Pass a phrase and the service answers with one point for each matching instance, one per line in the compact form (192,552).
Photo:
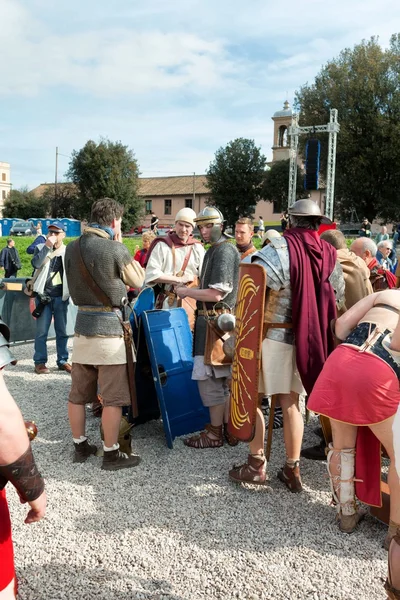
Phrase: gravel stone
(175,527)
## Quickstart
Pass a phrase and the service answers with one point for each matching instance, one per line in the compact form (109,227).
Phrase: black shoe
(315,452)
(83,451)
(114,460)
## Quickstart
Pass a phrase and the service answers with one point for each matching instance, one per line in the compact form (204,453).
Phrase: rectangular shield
(249,313)
(169,342)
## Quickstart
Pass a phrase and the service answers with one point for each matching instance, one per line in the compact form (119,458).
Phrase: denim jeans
(58,309)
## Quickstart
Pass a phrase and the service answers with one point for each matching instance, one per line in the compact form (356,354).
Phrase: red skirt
(358,388)
(7,572)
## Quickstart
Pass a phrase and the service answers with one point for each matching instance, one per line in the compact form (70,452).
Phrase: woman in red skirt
(17,466)
(358,390)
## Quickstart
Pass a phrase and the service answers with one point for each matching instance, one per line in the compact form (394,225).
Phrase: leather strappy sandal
(203,440)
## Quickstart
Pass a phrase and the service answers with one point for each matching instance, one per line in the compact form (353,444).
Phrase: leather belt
(205,313)
(100,309)
(368,338)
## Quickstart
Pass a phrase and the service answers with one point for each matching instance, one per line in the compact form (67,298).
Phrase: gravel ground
(175,528)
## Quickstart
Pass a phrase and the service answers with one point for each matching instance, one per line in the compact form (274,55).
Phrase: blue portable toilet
(6,225)
(72,227)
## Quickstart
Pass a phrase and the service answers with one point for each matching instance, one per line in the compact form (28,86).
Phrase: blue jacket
(40,239)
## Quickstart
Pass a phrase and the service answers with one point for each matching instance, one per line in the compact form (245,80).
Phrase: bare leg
(111,421)
(293,426)
(77,419)
(216,417)
(257,443)
(384,433)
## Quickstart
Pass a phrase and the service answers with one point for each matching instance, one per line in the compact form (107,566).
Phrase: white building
(5,183)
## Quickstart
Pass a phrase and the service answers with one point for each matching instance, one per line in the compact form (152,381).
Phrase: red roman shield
(247,357)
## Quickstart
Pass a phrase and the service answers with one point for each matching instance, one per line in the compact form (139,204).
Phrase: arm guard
(24,476)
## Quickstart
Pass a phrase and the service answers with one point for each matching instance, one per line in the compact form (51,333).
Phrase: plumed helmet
(187,215)
(211,214)
(308,208)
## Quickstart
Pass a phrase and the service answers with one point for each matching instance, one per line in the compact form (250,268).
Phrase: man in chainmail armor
(99,353)
(303,278)
(218,282)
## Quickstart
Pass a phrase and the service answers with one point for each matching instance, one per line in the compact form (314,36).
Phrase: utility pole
(194,193)
(55,179)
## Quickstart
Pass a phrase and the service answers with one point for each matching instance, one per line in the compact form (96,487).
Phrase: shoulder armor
(275,259)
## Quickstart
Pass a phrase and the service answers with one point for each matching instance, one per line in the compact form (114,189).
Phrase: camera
(43,300)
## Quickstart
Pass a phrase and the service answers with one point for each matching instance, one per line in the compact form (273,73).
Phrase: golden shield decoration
(249,313)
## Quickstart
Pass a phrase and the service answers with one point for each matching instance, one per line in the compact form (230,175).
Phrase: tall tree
(276,184)
(363,83)
(235,178)
(63,201)
(107,169)
(22,204)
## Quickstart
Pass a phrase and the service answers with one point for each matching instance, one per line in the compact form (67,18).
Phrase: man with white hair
(380,278)
(383,254)
(174,259)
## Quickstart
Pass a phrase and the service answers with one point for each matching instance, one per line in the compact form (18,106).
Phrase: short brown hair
(245,221)
(105,210)
(335,238)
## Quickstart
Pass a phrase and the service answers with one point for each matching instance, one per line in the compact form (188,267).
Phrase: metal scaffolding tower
(294,131)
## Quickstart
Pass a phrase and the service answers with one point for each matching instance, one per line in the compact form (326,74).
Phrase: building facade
(5,183)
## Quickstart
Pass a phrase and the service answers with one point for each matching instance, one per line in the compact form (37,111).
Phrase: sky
(173,80)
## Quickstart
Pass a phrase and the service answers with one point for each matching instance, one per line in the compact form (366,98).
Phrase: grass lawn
(22,243)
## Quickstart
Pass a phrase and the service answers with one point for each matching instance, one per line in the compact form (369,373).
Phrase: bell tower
(282,120)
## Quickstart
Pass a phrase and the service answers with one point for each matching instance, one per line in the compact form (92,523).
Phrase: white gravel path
(175,528)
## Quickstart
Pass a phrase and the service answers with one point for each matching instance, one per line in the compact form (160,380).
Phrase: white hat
(270,235)
(187,215)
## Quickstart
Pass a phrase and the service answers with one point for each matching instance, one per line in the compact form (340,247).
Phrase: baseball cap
(59,225)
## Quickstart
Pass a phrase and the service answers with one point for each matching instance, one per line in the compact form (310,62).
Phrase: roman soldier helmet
(187,215)
(308,208)
(210,214)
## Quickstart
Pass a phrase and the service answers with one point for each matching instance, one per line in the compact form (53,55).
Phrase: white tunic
(161,262)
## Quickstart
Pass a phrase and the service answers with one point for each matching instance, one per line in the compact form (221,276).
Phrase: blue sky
(172,80)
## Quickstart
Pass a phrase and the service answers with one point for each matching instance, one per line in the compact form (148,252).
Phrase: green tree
(235,178)
(363,83)
(276,184)
(107,169)
(22,204)
(63,201)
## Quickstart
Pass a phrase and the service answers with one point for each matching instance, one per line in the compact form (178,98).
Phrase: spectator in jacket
(10,261)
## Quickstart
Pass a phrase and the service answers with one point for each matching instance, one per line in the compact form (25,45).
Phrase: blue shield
(169,343)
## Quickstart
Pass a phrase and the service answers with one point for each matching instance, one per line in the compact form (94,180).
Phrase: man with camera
(52,298)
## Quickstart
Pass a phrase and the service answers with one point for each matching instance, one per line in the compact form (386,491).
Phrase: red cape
(312,261)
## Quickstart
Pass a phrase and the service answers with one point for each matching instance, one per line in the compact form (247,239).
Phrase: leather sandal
(253,471)
(290,476)
(229,438)
(203,440)
(392,593)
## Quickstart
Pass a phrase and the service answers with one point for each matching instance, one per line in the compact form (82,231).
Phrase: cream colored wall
(5,186)
(177,203)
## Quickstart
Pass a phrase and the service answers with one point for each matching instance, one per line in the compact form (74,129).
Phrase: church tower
(282,120)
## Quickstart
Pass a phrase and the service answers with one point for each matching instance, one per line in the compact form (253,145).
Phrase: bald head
(365,248)
(335,238)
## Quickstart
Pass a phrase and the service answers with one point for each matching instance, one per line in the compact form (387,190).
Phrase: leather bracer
(24,475)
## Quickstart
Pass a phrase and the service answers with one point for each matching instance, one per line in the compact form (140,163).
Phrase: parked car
(22,228)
